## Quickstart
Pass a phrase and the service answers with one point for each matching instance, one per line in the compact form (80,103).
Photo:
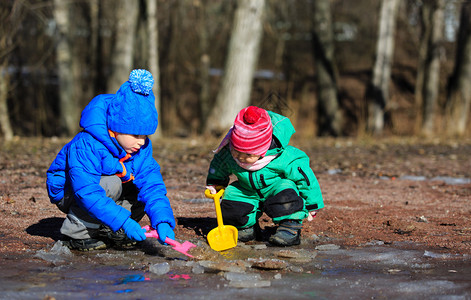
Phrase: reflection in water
(360,273)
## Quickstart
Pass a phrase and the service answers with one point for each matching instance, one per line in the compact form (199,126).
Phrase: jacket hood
(283,129)
(93,121)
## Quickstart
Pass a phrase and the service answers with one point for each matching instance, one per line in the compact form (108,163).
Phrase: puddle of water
(452,180)
(446,179)
(379,271)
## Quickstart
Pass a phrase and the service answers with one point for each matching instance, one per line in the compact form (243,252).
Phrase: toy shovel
(224,236)
(182,248)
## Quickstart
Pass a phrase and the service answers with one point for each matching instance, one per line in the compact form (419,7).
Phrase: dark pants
(241,207)
(80,225)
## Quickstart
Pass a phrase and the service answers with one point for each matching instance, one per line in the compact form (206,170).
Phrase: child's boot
(288,233)
(119,239)
(246,234)
(85,244)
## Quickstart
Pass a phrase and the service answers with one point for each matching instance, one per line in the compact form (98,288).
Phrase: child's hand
(165,231)
(212,189)
(311,215)
(133,230)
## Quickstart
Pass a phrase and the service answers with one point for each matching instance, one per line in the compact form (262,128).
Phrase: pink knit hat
(252,131)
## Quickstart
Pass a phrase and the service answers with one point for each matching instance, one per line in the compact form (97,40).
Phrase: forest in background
(338,67)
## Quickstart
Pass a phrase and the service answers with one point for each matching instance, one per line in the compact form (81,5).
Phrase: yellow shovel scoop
(224,236)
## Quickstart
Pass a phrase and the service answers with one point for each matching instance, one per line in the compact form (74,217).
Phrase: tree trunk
(5,124)
(69,111)
(459,90)
(153,33)
(203,69)
(122,57)
(377,94)
(425,29)
(8,29)
(170,87)
(431,65)
(330,116)
(94,44)
(240,66)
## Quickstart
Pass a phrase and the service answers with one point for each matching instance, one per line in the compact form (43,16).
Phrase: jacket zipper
(262,180)
(304,175)
(253,185)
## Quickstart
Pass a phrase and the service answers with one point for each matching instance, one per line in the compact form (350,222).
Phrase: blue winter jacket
(93,153)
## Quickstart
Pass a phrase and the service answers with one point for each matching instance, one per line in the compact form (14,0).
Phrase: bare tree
(67,73)
(8,27)
(153,33)
(5,124)
(326,73)
(459,89)
(204,64)
(94,11)
(279,16)
(377,94)
(240,66)
(122,57)
(427,87)
(170,88)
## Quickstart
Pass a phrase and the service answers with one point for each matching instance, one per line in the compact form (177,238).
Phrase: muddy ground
(375,191)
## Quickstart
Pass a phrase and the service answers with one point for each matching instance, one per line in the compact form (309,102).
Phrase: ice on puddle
(246,280)
(183,263)
(110,255)
(250,284)
(388,258)
(259,247)
(211,266)
(452,180)
(56,255)
(446,179)
(439,255)
(421,266)
(413,178)
(374,243)
(160,269)
(296,269)
(387,271)
(60,249)
(233,276)
(426,286)
(327,247)
(393,258)
(197,269)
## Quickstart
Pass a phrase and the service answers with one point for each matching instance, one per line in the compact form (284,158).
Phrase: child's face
(131,142)
(244,157)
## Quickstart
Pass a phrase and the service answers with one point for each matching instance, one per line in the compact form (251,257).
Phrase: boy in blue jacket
(105,179)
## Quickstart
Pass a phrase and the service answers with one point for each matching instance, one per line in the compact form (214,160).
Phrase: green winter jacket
(291,163)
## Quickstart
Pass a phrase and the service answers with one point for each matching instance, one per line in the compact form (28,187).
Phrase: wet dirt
(396,225)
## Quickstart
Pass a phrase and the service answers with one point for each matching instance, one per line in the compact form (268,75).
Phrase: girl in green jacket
(272,177)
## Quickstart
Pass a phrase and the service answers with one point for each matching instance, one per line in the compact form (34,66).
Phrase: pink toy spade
(182,248)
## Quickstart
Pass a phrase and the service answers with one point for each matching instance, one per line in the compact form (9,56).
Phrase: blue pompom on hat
(133,111)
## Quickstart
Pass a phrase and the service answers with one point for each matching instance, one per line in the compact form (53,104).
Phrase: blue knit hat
(133,111)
